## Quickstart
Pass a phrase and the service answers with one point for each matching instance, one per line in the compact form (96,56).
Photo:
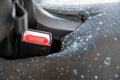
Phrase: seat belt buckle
(35,37)
(35,43)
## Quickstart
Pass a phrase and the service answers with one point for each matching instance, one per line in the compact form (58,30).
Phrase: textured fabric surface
(91,52)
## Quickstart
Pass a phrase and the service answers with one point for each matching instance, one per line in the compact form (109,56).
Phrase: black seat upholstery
(91,52)
(5,18)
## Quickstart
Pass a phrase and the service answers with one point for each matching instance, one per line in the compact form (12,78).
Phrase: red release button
(36,37)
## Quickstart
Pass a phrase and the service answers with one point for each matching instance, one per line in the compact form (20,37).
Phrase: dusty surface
(91,52)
